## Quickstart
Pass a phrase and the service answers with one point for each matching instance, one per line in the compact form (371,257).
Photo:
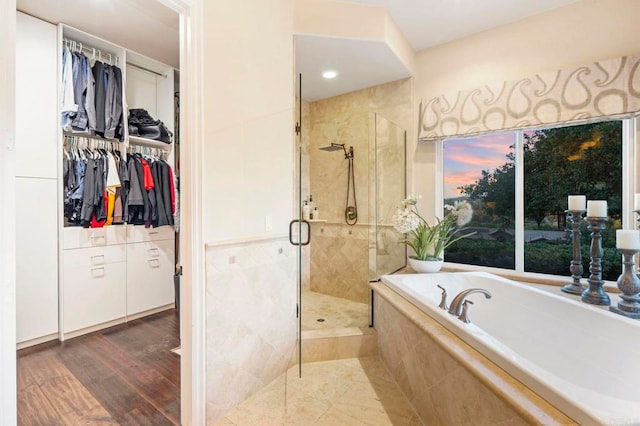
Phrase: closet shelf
(137,140)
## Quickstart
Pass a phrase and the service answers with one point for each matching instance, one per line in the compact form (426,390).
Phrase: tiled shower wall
(251,319)
(339,252)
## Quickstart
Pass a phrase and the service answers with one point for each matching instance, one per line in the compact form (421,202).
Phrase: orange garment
(111,202)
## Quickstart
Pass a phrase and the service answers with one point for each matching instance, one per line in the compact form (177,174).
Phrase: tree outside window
(585,159)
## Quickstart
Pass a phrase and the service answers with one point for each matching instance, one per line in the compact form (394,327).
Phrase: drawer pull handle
(97,259)
(154,252)
(154,263)
(95,240)
(97,272)
(153,232)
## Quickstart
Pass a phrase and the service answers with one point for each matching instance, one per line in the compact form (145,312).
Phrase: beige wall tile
(440,389)
(340,262)
(251,333)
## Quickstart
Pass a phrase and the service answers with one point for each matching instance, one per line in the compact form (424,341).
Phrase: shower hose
(351,212)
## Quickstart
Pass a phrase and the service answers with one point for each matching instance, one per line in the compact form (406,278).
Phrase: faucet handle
(464,316)
(443,301)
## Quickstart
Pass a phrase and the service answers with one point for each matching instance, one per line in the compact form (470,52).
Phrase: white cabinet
(36,98)
(36,173)
(36,258)
(95,282)
(113,273)
(150,267)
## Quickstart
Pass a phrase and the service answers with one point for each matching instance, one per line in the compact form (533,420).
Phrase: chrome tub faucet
(457,304)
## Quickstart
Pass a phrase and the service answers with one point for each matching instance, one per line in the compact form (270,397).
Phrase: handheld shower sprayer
(350,211)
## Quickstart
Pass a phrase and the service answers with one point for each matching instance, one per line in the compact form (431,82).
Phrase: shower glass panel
(388,189)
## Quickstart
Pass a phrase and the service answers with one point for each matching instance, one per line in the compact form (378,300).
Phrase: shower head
(333,147)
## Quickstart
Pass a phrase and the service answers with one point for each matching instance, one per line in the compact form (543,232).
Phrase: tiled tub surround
(519,325)
(445,379)
(251,319)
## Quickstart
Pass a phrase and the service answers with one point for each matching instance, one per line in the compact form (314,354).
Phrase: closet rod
(147,70)
(85,135)
(91,50)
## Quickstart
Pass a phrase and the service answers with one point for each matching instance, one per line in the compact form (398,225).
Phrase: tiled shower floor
(354,391)
(336,312)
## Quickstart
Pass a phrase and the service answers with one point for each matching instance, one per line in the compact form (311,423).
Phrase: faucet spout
(456,305)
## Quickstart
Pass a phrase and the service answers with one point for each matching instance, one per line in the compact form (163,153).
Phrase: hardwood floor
(122,375)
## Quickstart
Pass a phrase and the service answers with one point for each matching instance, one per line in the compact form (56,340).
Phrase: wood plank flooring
(123,375)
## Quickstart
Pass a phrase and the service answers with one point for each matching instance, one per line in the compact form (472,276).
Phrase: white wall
(580,33)
(249,151)
(7,216)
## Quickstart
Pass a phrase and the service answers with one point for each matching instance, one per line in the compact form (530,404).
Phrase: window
(482,171)
(556,162)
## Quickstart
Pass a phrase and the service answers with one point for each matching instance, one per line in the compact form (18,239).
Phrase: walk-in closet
(97,179)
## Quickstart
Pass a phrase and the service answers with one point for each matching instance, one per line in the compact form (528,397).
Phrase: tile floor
(336,312)
(354,391)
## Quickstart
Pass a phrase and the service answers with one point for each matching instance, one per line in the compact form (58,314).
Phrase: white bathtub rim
(536,378)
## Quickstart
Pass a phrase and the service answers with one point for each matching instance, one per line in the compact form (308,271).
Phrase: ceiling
(359,64)
(144,26)
(424,23)
(427,23)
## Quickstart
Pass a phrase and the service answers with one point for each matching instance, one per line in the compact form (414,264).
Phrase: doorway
(191,252)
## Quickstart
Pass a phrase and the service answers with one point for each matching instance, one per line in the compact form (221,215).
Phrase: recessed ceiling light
(329,74)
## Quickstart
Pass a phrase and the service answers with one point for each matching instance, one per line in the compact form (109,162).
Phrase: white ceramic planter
(425,265)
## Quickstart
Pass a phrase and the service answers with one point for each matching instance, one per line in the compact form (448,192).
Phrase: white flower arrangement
(429,242)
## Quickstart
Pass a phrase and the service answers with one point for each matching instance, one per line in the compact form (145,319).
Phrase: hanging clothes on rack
(91,179)
(91,101)
(149,200)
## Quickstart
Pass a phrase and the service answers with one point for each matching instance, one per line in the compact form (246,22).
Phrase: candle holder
(595,293)
(576,268)
(629,284)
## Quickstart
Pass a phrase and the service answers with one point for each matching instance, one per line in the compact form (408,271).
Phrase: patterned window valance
(606,88)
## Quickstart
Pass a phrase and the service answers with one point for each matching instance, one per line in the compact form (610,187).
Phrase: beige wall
(580,33)
(248,130)
(248,117)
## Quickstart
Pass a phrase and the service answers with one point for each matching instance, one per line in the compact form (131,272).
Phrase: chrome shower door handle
(302,222)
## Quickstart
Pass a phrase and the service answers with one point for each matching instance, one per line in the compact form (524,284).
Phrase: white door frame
(7,214)
(192,245)
(193,401)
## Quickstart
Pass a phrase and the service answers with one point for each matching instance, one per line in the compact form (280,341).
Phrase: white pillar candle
(596,208)
(577,202)
(637,203)
(628,239)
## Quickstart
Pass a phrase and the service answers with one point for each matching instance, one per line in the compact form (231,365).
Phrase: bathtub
(583,360)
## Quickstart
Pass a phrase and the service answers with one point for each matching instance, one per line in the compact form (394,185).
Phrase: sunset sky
(464,159)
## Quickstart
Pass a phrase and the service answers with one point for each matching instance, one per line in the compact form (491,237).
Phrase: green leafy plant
(430,241)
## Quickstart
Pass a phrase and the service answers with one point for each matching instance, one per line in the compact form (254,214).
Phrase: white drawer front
(93,292)
(76,237)
(138,234)
(150,270)
(95,256)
